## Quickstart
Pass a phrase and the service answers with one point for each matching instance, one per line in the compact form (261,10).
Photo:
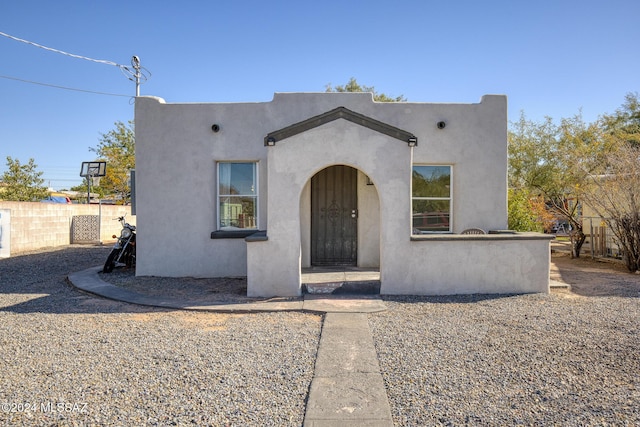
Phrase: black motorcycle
(124,251)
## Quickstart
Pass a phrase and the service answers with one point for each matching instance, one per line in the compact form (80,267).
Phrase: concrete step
(360,287)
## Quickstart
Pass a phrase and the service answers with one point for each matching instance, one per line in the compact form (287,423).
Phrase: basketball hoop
(91,170)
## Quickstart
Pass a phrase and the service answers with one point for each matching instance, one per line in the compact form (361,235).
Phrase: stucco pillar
(273,263)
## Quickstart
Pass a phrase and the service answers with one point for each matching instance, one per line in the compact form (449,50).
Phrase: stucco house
(266,189)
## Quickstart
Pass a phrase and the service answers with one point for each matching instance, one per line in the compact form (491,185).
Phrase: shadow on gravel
(447,299)
(37,283)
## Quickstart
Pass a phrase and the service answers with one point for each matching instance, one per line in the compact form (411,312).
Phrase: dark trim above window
(340,113)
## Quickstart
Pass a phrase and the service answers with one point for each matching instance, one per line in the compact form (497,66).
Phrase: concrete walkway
(347,387)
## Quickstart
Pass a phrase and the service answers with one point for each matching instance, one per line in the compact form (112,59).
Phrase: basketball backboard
(93,169)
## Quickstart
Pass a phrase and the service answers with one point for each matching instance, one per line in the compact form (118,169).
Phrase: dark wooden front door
(334,216)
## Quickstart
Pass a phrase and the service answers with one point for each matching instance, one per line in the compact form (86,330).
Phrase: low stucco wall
(36,225)
(459,264)
(434,265)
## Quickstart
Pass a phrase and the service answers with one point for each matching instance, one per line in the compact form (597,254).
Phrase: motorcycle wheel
(111,261)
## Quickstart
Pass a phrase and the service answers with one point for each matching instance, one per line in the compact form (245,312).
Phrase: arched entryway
(340,232)
(340,219)
(296,154)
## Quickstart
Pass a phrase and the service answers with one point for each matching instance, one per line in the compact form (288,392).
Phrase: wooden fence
(602,242)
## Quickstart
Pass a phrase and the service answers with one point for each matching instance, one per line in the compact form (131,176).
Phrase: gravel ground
(68,358)
(230,290)
(197,291)
(557,359)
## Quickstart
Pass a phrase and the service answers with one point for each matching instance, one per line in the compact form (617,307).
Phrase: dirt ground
(586,276)
(594,277)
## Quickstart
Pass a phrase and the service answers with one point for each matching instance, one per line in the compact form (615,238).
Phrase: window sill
(235,234)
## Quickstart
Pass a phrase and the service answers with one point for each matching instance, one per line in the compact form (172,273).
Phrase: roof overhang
(340,113)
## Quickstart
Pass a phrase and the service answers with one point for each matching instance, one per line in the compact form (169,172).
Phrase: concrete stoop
(341,280)
(368,287)
(554,284)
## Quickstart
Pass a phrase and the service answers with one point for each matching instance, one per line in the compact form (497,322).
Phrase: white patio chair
(474,231)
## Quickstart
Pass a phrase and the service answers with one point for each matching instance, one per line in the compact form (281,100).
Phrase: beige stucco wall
(177,152)
(368,223)
(36,225)
(176,155)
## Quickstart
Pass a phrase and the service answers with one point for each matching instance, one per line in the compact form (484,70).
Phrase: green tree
(117,148)
(624,124)
(527,212)
(615,196)
(613,190)
(23,182)
(354,86)
(555,161)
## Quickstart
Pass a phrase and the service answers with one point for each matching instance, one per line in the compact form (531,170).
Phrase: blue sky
(550,57)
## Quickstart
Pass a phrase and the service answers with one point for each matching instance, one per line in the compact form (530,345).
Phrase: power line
(100,61)
(138,74)
(63,87)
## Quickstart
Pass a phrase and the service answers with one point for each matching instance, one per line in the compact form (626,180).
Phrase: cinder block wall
(36,225)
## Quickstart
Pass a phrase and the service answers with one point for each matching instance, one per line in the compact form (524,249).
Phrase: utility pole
(136,73)
(135,63)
